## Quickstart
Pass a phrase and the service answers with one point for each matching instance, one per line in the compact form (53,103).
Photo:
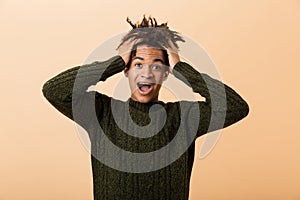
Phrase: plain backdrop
(254,44)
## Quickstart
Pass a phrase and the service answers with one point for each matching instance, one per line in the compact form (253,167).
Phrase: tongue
(144,88)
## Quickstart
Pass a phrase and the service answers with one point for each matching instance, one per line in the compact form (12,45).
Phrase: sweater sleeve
(69,88)
(222,107)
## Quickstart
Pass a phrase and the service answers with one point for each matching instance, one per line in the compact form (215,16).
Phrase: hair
(150,31)
(133,53)
(151,34)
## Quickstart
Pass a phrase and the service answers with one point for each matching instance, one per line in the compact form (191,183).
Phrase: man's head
(147,69)
(148,64)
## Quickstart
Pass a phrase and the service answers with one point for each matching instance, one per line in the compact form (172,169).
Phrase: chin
(144,99)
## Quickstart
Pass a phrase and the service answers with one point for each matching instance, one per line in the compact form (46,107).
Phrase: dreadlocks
(152,33)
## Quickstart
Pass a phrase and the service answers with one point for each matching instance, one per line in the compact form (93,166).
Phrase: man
(141,167)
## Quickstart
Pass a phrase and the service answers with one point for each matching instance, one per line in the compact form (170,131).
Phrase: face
(146,74)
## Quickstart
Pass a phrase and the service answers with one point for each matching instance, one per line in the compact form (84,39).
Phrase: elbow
(240,110)
(236,112)
(244,109)
(46,90)
(49,92)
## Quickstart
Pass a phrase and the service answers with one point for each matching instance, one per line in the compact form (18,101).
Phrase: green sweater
(104,117)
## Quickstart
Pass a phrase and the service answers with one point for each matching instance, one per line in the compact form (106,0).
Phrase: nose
(146,72)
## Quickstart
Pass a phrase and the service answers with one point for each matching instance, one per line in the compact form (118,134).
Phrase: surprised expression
(146,73)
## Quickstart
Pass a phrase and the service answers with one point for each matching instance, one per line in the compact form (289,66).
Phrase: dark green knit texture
(169,182)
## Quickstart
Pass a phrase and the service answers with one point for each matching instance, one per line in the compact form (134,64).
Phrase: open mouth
(145,88)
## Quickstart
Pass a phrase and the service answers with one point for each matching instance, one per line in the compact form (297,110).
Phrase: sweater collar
(145,106)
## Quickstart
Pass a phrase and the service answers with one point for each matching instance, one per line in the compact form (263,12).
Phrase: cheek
(132,80)
(133,73)
(159,79)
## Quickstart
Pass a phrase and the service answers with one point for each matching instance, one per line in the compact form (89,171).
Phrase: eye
(138,65)
(156,67)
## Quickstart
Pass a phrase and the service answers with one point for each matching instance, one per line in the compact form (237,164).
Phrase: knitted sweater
(169,181)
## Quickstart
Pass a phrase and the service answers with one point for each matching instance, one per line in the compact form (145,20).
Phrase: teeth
(144,84)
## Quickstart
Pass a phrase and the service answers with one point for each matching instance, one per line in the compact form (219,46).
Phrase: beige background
(255,44)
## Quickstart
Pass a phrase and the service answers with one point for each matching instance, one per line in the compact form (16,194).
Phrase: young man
(141,127)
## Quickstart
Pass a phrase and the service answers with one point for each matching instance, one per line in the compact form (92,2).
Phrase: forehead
(149,53)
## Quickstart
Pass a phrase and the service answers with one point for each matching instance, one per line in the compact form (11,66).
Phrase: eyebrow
(155,60)
(136,57)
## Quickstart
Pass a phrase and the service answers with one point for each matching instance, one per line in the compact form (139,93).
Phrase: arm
(223,105)
(62,92)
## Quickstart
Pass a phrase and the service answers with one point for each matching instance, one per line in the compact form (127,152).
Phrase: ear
(126,71)
(165,75)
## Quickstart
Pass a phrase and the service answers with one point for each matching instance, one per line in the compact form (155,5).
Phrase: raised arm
(222,107)
(61,90)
